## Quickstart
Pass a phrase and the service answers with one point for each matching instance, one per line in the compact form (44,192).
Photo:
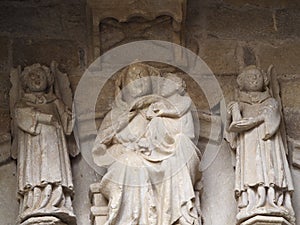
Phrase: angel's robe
(149,186)
(261,155)
(42,150)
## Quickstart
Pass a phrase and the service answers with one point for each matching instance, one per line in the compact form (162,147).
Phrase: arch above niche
(124,11)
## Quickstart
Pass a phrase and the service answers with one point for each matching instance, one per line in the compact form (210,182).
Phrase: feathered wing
(63,91)
(275,92)
(15,94)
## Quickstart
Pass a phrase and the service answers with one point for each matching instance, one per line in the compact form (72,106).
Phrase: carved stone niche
(146,13)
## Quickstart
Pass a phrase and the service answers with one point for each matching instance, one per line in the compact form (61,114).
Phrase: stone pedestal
(99,209)
(43,220)
(266,220)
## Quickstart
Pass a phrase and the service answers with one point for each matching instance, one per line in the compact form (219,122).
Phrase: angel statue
(146,142)
(41,122)
(263,183)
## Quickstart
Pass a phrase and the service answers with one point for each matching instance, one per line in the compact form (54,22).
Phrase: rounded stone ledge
(266,220)
(44,220)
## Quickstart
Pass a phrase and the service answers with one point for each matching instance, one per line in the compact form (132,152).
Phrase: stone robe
(154,185)
(45,181)
(260,160)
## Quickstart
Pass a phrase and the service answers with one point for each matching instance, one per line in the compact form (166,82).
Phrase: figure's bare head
(36,78)
(252,79)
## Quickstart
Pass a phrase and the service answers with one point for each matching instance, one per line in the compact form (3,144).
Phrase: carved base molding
(43,220)
(266,220)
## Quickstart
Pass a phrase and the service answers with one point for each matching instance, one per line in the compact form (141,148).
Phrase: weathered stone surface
(30,21)
(219,55)
(247,24)
(4,53)
(264,3)
(54,19)
(289,88)
(73,19)
(228,90)
(27,52)
(8,197)
(292,121)
(4,91)
(248,56)
(283,54)
(288,22)
(5,136)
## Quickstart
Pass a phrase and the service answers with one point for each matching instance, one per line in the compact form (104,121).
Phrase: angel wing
(62,85)
(62,90)
(275,92)
(15,94)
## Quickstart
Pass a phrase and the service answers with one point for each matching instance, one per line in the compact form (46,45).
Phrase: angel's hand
(243,124)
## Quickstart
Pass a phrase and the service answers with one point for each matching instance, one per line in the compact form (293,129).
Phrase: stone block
(284,55)
(27,52)
(29,20)
(4,53)
(289,88)
(273,4)
(248,24)
(292,122)
(48,19)
(266,220)
(288,22)
(73,20)
(220,56)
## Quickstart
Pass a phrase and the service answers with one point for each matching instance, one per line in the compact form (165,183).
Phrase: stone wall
(227,35)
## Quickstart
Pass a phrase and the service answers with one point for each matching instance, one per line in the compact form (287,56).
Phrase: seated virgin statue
(146,144)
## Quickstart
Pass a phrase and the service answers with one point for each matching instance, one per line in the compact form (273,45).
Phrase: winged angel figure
(263,179)
(40,100)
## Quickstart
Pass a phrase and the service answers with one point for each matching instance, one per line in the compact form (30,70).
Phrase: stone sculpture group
(148,145)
